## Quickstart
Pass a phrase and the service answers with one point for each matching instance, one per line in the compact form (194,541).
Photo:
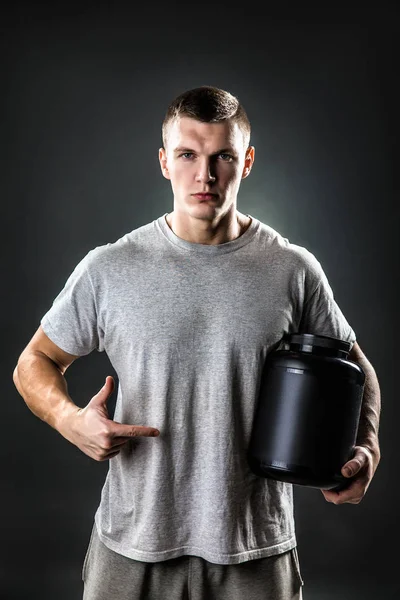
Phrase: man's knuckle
(104,439)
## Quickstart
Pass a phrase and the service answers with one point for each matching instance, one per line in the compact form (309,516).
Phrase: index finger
(123,430)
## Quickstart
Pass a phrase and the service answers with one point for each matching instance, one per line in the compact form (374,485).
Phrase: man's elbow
(16,380)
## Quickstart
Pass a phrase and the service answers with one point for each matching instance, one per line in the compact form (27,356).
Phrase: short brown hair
(207,104)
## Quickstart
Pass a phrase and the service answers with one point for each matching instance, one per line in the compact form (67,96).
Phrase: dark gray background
(85,90)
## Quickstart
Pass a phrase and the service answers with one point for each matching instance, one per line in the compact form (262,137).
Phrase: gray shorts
(108,575)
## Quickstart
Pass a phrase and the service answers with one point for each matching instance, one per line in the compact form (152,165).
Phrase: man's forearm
(370,410)
(44,388)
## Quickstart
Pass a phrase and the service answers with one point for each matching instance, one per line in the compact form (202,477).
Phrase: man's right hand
(98,436)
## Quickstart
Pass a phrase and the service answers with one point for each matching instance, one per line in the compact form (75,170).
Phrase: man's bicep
(40,342)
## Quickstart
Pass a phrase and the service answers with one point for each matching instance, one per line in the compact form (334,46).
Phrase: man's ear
(162,156)
(248,161)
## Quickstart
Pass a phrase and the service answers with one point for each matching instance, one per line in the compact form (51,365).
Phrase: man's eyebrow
(183,149)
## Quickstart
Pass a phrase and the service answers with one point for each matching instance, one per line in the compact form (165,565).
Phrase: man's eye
(222,154)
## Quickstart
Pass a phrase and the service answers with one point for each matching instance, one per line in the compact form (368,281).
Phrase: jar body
(307,416)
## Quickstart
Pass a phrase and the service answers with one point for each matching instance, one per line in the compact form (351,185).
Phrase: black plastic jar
(306,420)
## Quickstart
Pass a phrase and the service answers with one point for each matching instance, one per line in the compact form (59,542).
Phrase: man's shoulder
(136,240)
(285,248)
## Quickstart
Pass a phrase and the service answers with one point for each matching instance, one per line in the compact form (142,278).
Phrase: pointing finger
(129,431)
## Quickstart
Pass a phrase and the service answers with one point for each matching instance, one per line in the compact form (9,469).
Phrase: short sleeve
(321,314)
(72,321)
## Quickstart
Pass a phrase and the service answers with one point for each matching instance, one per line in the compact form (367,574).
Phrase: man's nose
(206,171)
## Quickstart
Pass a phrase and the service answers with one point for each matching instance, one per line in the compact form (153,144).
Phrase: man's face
(205,157)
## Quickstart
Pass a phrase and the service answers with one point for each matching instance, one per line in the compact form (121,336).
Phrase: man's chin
(206,212)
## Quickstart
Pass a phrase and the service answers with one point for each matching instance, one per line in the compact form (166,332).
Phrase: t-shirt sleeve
(72,321)
(321,314)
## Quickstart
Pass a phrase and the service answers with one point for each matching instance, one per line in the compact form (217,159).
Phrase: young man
(187,308)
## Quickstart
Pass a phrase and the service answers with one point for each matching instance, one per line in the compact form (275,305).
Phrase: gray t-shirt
(187,328)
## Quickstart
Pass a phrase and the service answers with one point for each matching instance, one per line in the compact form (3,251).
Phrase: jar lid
(309,341)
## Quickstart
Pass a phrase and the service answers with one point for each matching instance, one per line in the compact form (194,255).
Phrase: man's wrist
(65,417)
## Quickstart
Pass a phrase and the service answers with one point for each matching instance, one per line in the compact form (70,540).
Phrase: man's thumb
(106,390)
(352,467)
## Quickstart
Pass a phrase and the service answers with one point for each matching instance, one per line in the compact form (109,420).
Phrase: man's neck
(224,232)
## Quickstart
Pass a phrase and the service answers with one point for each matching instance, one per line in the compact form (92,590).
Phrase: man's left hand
(360,469)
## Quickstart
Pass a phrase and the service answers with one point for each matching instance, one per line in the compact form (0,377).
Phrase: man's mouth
(205,196)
